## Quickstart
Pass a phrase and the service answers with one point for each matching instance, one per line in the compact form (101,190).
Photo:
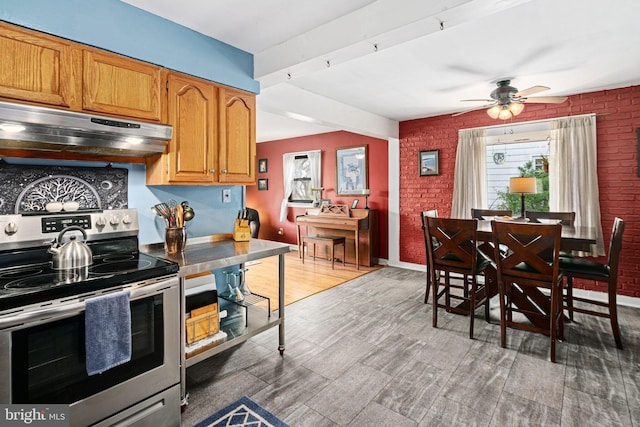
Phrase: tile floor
(364,354)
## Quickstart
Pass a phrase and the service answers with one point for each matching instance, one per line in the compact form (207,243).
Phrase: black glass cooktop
(33,280)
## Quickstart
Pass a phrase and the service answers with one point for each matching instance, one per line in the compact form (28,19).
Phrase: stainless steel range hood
(28,127)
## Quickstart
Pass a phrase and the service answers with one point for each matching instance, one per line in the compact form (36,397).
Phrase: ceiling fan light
(494,111)
(516,108)
(505,113)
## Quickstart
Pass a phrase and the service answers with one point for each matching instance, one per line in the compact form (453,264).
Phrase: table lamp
(522,185)
(366,192)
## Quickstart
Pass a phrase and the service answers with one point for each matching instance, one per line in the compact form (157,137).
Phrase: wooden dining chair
(423,219)
(481,213)
(565,218)
(452,248)
(531,263)
(604,273)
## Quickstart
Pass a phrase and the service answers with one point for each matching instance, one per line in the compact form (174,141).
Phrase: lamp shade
(494,111)
(366,192)
(505,113)
(516,108)
(523,185)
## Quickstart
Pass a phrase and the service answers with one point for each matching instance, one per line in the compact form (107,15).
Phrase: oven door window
(48,361)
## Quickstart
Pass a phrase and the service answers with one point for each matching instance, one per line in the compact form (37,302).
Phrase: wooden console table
(360,230)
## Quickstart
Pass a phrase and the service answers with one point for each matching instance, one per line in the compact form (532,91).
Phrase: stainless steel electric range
(42,317)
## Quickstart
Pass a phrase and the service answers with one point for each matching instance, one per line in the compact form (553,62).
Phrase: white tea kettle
(73,254)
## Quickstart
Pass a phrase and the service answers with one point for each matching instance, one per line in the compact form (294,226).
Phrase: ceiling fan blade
(531,91)
(473,109)
(478,100)
(546,99)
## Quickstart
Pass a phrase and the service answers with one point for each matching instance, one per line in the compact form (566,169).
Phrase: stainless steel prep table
(203,254)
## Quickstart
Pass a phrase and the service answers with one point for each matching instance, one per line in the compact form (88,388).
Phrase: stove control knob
(126,219)
(101,222)
(114,220)
(11,228)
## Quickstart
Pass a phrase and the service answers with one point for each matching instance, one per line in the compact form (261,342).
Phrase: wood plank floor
(364,354)
(301,280)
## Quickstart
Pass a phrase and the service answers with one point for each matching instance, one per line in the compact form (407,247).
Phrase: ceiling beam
(380,25)
(290,101)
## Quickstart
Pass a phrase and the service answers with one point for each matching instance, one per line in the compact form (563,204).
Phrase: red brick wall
(617,122)
(268,202)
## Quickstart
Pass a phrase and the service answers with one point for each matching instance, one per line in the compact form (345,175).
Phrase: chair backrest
(254,222)
(566,218)
(451,243)
(480,213)
(615,247)
(533,252)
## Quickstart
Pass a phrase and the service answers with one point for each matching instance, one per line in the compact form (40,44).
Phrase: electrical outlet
(226,196)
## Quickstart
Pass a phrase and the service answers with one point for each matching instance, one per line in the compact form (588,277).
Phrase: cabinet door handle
(224,171)
(212,170)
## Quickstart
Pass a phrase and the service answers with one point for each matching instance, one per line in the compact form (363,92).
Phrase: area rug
(244,412)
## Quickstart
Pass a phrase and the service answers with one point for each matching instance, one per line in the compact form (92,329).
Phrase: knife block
(241,230)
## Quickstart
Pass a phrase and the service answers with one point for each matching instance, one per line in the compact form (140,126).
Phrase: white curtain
(316,168)
(288,168)
(470,177)
(573,174)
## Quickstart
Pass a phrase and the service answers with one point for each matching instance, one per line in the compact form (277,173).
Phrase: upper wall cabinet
(36,67)
(237,150)
(113,84)
(191,155)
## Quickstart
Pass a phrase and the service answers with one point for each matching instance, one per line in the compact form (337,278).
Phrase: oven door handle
(71,309)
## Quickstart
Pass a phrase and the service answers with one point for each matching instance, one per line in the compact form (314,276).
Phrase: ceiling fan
(507,101)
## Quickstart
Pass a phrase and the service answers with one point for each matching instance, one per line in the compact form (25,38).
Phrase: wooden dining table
(529,298)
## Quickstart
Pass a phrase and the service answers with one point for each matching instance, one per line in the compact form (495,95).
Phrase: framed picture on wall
(429,163)
(351,170)
(263,184)
(262,165)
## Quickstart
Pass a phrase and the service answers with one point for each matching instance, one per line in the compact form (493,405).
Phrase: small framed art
(429,163)
(263,184)
(262,166)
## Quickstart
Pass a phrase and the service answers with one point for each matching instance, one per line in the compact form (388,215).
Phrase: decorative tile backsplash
(28,188)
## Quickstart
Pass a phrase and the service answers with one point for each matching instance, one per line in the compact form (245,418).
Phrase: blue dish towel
(107,331)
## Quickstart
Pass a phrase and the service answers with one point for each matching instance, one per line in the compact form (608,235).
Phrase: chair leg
(503,316)
(472,306)
(447,283)
(486,298)
(570,297)
(553,331)
(426,293)
(434,286)
(613,315)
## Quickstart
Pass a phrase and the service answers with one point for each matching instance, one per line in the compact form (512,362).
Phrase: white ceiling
(363,65)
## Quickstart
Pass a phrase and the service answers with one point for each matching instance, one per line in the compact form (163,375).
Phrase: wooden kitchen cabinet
(190,158)
(37,68)
(237,149)
(114,84)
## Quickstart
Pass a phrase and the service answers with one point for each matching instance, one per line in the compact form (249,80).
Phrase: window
(301,188)
(517,159)
(301,174)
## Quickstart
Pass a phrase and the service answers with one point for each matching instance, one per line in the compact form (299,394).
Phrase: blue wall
(122,28)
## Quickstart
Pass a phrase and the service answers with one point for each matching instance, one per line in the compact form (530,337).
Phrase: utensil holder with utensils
(175,239)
